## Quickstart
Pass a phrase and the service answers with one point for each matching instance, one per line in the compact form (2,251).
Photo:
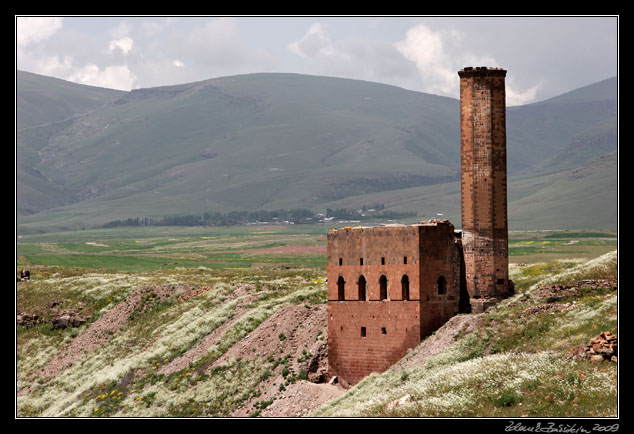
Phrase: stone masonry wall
(369,335)
(389,287)
(483,184)
(391,327)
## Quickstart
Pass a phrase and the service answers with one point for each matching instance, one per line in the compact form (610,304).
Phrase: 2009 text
(552,427)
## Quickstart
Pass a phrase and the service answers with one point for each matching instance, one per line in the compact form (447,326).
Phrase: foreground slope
(221,323)
(523,358)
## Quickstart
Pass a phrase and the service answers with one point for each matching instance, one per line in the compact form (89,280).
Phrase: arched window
(341,286)
(405,287)
(361,285)
(442,285)
(383,288)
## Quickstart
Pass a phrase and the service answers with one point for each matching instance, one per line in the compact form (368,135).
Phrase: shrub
(508,399)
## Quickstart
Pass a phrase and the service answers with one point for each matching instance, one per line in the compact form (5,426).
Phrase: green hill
(270,141)
(564,131)
(45,106)
(41,100)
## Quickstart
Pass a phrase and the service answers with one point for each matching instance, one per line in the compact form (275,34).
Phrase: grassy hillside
(42,100)
(45,106)
(227,322)
(564,131)
(515,360)
(271,141)
(582,197)
(546,200)
(225,141)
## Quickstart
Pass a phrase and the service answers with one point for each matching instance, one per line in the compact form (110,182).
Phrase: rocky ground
(296,336)
(101,330)
(300,334)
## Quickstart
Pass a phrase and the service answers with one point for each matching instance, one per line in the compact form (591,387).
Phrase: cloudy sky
(544,56)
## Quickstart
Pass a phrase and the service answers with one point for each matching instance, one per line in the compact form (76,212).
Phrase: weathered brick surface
(372,321)
(424,253)
(483,183)
(390,328)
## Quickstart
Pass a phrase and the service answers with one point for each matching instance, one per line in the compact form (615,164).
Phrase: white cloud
(425,48)
(124,45)
(438,57)
(112,77)
(217,45)
(121,30)
(151,28)
(515,97)
(178,63)
(31,30)
(314,43)
(353,57)
(53,66)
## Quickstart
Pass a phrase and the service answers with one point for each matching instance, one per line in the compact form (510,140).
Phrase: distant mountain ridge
(42,100)
(273,140)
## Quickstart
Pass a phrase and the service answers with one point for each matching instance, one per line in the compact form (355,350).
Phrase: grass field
(96,272)
(162,248)
(539,246)
(158,248)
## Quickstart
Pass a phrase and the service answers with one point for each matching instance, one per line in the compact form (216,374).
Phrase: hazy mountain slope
(287,140)
(44,107)
(41,100)
(563,131)
(582,197)
(248,141)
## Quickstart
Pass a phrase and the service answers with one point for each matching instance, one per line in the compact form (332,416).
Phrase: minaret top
(481,71)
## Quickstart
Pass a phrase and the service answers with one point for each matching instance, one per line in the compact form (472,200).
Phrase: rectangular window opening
(404,259)
(360,261)
(383,330)
(382,261)
(340,261)
(362,332)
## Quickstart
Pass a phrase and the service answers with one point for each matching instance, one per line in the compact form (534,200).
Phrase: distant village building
(390,287)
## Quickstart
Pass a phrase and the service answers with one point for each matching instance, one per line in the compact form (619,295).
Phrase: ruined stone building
(390,287)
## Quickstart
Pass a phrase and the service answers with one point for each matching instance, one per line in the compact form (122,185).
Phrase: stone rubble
(603,347)
(27,320)
(67,319)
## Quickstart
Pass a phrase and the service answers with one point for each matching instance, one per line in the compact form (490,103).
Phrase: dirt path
(293,248)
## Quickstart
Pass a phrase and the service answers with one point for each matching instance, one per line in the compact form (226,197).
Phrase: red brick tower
(483,184)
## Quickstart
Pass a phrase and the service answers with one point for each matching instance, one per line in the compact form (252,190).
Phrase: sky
(545,56)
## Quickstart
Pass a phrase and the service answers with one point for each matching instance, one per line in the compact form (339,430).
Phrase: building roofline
(432,222)
(481,71)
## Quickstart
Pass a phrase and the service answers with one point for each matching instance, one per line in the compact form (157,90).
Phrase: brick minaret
(483,184)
